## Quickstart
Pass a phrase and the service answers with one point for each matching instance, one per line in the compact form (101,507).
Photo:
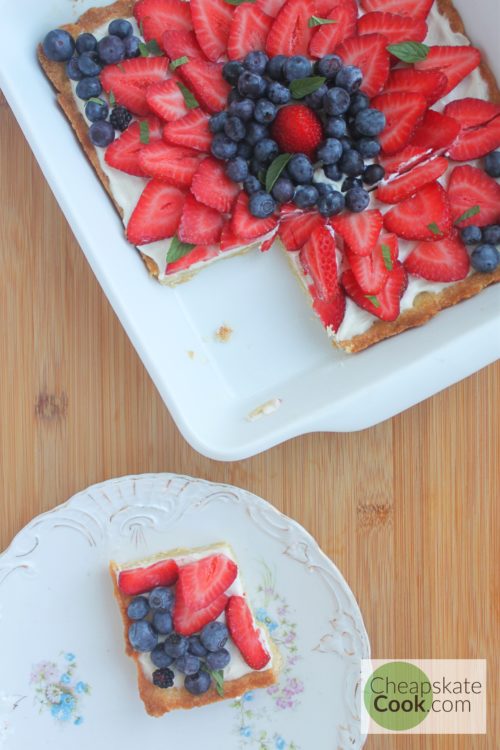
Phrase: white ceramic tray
(278,350)
(65,680)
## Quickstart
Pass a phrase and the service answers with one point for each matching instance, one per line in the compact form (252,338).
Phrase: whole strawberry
(297,129)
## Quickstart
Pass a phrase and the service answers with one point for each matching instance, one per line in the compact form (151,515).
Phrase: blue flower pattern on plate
(57,689)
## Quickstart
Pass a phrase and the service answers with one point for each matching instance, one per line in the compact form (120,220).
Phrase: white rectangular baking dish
(278,352)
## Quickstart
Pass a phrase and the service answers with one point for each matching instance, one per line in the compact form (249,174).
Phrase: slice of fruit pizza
(189,627)
(362,135)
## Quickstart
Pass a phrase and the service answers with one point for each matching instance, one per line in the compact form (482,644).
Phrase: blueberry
(265,111)
(232,71)
(359,102)
(217,122)
(351,163)
(73,70)
(274,67)
(335,127)
(471,235)
(162,622)
(370,122)
(332,171)
(329,66)
(305,196)
(223,147)
(58,45)
(297,67)
(252,85)
(198,683)
(175,645)
(86,43)
(331,204)
(218,659)
(235,129)
(350,183)
(96,109)
(330,151)
(266,150)
(346,144)
(252,185)
(161,598)
(256,62)
(215,634)
(373,174)
(233,96)
(111,50)
(491,235)
(315,100)
(196,647)
(163,678)
(160,658)
(90,64)
(120,27)
(349,78)
(256,167)
(367,147)
(120,118)
(142,636)
(245,150)
(283,190)
(336,101)
(132,47)
(243,108)
(277,93)
(88,87)
(357,199)
(101,133)
(188,664)
(300,169)
(237,169)
(261,206)
(485,258)
(138,608)
(323,188)
(492,164)
(256,132)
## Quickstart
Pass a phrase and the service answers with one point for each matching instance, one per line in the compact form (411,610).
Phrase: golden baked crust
(158,701)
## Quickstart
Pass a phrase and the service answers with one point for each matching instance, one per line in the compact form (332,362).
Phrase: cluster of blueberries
(195,657)
(261,86)
(485,258)
(85,58)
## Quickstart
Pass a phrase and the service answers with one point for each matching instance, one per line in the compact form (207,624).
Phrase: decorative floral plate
(65,680)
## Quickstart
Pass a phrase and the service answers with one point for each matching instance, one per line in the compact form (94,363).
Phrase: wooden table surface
(408,510)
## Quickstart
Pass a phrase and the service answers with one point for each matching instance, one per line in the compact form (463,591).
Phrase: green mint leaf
(144,132)
(434,229)
(218,678)
(275,169)
(154,48)
(386,253)
(315,21)
(112,98)
(301,87)
(189,98)
(177,63)
(409,52)
(144,49)
(238,2)
(178,249)
(96,100)
(374,300)
(474,211)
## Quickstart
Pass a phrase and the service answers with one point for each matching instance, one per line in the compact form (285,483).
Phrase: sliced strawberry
(199,254)
(269,242)
(200,224)
(405,159)
(471,112)
(455,62)
(213,187)
(480,128)
(331,312)
(290,33)
(228,239)
(191,130)
(326,38)
(244,633)
(394,27)
(369,53)
(205,80)
(359,231)
(295,229)
(203,581)
(403,112)
(188,621)
(157,213)
(319,260)
(469,187)
(248,227)
(173,164)
(444,260)
(141,580)
(436,131)
(424,216)
(123,153)
(166,100)
(400,188)
(178,44)
(386,303)
(271,7)
(324,7)
(416,9)
(157,16)
(371,272)
(130,79)
(429,83)
(249,29)
(212,21)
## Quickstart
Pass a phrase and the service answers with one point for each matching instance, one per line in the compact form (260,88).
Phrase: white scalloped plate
(65,680)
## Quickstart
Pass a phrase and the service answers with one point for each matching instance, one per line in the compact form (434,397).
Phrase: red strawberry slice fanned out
(359,231)
(369,53)
(246,226)
(394,27)
(323,8)
(191,131)
(213,187)
(480,128)
(203,581)
(371,272)
(386,303)
(179,44)
(173,164)
(245,635)
(188,621)
(470,187)
(424,216)
(157,16)
(429,83)
(200,224)
(400,188)
(212,21)
(166,100)
(271,7)
(445,260)
(141,580)
(290,33)
(123,153)
(331,312)
(199,254)
(157,214)
(327,37)
(455,62)
(319,260)
(205,80)
(470,112)
(228,239)
(403,113)
(436,131)
(249,29)
(405,159)
(295,230)
(417,9)
(130,80)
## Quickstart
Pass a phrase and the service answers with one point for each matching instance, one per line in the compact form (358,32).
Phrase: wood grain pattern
(408,510)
